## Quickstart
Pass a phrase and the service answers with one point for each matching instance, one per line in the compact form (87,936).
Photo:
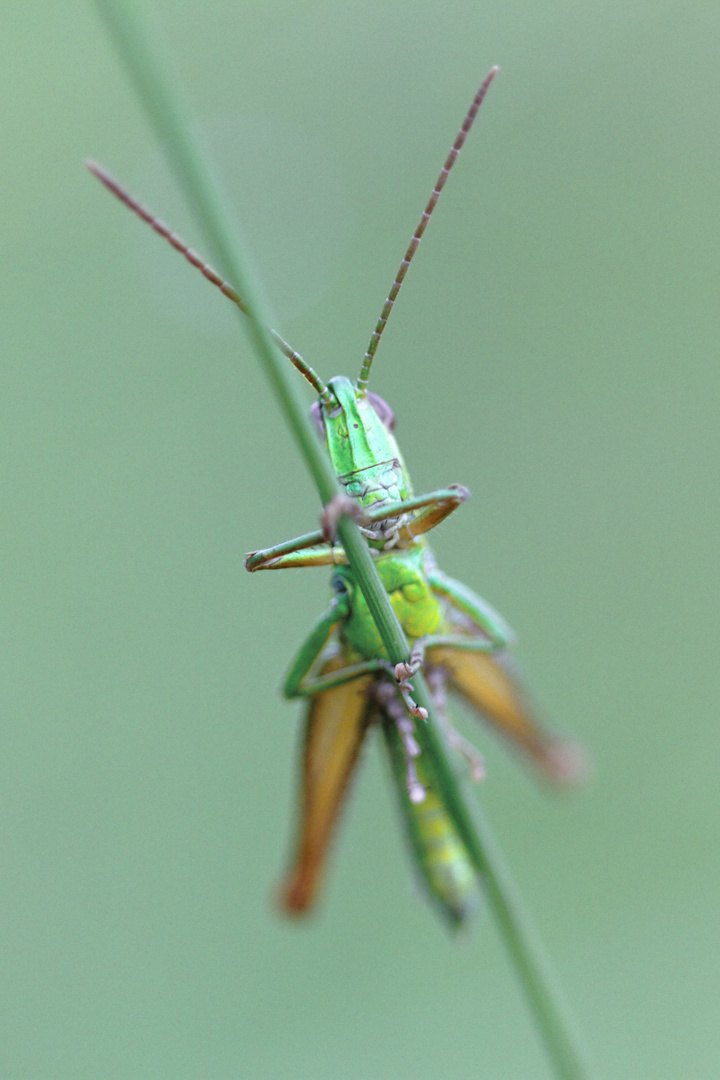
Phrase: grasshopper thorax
(362,448)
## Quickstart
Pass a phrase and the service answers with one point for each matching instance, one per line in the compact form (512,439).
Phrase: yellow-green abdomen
(418,610)
(440,854)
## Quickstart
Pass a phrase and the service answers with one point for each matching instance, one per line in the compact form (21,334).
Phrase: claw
(412,706)
(407,668)
(339,506)
(473,757)
(404,671)
(416,791)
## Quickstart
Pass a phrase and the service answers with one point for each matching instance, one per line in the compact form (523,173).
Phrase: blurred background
(555,348)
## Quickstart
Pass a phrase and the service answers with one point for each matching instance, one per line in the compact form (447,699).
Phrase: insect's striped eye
(316,417)
(383,410)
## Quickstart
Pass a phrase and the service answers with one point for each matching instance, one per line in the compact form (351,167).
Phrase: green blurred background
(555,348)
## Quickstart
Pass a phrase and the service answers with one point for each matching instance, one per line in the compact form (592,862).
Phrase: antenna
(199,263)
(361,385)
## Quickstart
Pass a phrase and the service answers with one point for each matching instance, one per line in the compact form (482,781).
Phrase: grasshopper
(342,668)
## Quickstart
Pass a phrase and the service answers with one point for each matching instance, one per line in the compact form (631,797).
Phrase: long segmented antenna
(199,263)
(361,385)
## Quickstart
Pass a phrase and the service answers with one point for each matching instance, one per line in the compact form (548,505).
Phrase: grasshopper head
(358,432)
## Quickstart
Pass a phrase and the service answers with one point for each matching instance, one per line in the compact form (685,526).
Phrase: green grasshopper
(342,667)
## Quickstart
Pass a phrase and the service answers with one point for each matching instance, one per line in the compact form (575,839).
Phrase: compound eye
(384,413)
(317,418)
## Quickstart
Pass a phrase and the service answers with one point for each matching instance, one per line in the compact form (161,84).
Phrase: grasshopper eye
(383,411)
(317,418)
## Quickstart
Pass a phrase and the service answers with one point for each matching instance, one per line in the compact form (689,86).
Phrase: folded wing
(489,683)
(335,727)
